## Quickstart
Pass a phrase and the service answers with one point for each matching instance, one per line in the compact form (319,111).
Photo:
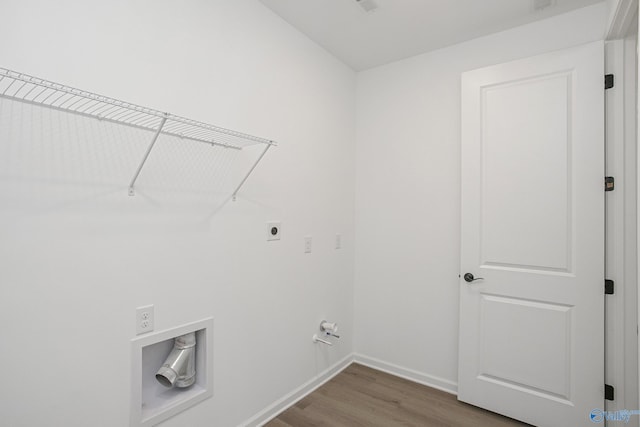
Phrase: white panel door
(532,328)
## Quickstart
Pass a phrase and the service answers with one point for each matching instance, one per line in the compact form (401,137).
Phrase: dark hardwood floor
(361,396)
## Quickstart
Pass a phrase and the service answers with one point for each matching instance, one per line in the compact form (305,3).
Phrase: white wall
(408,192)
(79,255)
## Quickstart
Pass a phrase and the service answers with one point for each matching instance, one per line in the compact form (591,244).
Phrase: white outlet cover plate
(144,319)
(271,234)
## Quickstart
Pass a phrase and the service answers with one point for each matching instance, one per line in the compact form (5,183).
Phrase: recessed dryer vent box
(151,402)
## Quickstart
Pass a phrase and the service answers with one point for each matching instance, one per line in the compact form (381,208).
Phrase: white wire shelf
(34,90)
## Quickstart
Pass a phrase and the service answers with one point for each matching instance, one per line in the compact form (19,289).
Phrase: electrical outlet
(338,241)
(274,230)
(144,319)
(307,244)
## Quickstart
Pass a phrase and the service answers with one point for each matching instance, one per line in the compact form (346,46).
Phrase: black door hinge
(609,183)
(608,81)
(608,392)
(608,287)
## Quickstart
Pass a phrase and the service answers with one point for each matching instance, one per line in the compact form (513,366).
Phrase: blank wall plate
(274,230)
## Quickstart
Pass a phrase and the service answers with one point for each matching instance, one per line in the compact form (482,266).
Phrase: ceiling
(400,29)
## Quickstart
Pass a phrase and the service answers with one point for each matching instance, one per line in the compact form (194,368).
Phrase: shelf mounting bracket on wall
(146,155)
(235,192)
(36,91)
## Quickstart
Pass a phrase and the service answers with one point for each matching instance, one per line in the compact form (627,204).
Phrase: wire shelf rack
(34,90)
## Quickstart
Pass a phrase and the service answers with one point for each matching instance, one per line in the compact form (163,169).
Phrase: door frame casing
(621,351)
(621,311)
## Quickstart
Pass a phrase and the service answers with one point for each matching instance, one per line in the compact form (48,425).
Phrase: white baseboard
(408,374)
(290,399)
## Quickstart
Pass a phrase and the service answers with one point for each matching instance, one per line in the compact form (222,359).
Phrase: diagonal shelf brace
(146,155)
(235,193)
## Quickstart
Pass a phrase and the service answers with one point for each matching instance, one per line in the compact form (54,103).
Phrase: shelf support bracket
(146,155)
(235,193)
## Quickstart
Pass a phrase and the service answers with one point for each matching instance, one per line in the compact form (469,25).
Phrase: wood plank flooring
(364,397)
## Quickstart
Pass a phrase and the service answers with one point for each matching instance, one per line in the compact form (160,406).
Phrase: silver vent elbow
(179,369)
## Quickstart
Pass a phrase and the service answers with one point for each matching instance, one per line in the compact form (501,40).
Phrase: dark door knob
(468,277)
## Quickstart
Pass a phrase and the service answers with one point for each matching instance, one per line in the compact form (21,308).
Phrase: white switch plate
(274,230)
(144,319)
(338,241)
(308,240)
